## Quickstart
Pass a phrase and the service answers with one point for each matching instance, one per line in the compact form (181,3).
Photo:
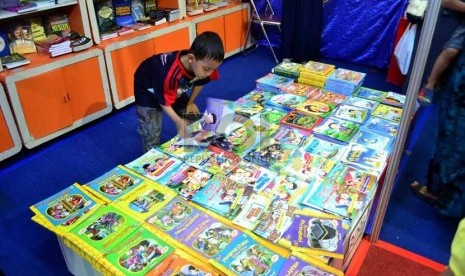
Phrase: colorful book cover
(114,184)
(306,166)
(196,137)
(388,112)
(21,39)
(218,114)
(326,149)
(252,175)
(352,113)
(177,219)
(258,95)
(144,200)
(245,256)
(302,90)
(66,209)
(348,76)
(123,16)
(214,160)
(251,211)
(362,102)
(247,107)
(394,99)
(371,94)
(139,253)
(316,233)
(220,195)
(267,122)
(336,130)
(106,227)
(332,97)
(186,180)
(176,148)
(181,263)
(288,69)
(373,140)
(316,107)
(285,101)
(239,137)
(273,82)
(319,68)
(382,126)
(299,264)
(353,179)
(154,164)
(301,120)
(365,158)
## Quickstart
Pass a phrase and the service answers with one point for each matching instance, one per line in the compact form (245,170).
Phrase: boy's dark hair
(208,45)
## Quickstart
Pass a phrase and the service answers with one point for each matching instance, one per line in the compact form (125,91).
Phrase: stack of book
(315,73)
(54,45)
(171,14)
(344,81)
(273,83)
(288,69)
(14,60)
(194,10)
(79,42)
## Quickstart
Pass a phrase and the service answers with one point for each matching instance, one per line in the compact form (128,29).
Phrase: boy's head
(206,54)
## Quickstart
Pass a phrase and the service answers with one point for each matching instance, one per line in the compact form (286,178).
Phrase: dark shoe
(423,193)
(425,96)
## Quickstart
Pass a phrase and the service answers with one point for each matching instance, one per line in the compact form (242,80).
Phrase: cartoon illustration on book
(143,202)
(64,208)
(256,260)
(171,216)
(214,239)
(116,184)
(140,255)
(107,224)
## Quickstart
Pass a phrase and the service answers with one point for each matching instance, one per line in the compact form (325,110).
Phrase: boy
(450,51)
(161,83)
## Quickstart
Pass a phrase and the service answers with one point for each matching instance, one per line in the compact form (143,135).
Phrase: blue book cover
(365,158)
(245,256)
(373,140)
(382,126)
(371,94)
(214,160)
(326,149)
(273,82)
(285,101)
(336,130)
(123,15)
(4,45)
(362,102)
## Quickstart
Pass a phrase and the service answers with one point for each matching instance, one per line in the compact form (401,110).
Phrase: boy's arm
(180,122)
(191,107)
(455,5)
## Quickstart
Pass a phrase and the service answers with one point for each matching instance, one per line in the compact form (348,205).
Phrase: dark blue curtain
(356,31)
(360,31)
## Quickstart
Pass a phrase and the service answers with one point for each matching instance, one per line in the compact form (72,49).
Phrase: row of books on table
(259,191)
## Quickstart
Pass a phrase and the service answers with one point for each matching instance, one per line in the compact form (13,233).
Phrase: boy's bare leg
(440,65)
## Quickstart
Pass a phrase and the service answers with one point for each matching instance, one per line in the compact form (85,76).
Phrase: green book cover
(103,230)
(139,253)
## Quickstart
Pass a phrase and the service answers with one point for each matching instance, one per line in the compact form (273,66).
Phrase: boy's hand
(192,108)
(181,128)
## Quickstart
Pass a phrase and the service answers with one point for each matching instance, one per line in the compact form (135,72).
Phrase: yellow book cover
(66,209)
(318,68)
(145,199)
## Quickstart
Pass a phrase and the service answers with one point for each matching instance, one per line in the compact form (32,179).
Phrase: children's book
(221,195)
(285,101)
(352,113)
(267,122)
(301,120)
(197,137)
(177,148)
(305,166)
(181,263)
(186,180)
(299,264)
(316,107)
(251,211)
(258,95)
(214,160)
(21,38)
(381,126)
(144,200)
(273,82)
(218,115)
(139,253)
(336,130)
(247,107)
(318,68)
(288,69)
(362,102)
(239,137)
(302,90)
(363,157)
(394,99)
(245,256)
(318,233)
(154,164)
(373,140)
(114,183)
(66,209)
(97,235)
(252,175)
(388,112)
(346,75)
(353,179)
(332,97)
(326,149)
(371,94)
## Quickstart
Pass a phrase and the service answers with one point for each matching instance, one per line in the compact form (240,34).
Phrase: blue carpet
(90,151)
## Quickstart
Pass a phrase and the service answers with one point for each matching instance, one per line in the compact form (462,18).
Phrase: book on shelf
(4,43)
(194,10)
(209,7)
(122,10)
(157,20)
(21,40)
(41,4)
(373,140)
(332,97)
(54,52)
(125,30)
(108,35)
(149,5)
(79,42)
(54,41)
(137,10)
(317,68)
(14,60)
(58,24)
(105,16)
(22,7)
(37,28)
(364,158)
(139,26)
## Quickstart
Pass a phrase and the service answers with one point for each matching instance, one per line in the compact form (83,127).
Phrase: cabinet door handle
(69,98)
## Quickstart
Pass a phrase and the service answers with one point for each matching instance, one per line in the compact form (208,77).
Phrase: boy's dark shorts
(457,39)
